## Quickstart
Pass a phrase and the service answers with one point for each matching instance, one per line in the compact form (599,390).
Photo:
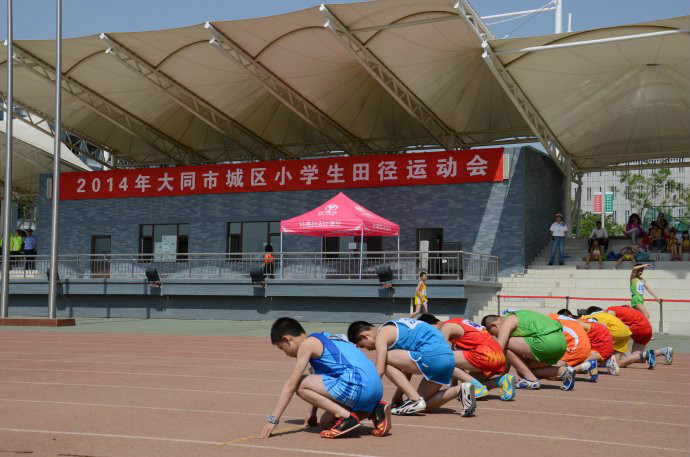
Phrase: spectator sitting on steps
(599,234)
(558,230)
(594,254)
(633,228)
(627,253)
(656,238)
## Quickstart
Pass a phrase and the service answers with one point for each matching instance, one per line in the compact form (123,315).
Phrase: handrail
(568,298)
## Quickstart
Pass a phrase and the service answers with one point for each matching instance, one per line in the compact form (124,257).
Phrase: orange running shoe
(342,426)
(381,417)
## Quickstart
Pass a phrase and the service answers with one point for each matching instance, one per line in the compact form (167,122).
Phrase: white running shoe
(467,398)
(668,357)
(409,407)
(612,365)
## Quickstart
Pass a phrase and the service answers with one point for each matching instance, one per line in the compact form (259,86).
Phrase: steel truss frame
(414,106)
(191,102)
(118,116)
(546,137)
(292,99)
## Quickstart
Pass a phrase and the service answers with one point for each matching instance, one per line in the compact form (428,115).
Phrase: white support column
(120,117)
(7,194)
(55,214)
(292,99)
(361,251)
(191,102)
(445,136)
(514,92)
(559,16)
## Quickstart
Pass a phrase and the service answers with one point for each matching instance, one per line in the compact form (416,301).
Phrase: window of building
(589,194)
(167,242)
(627,214)
(253,236)
(351,243)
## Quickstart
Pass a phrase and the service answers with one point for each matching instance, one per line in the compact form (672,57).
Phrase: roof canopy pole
(197,106)
(407,99)
(7,199)
(292,99)
(514,92)
(55,214)
(559,16)
(117,115)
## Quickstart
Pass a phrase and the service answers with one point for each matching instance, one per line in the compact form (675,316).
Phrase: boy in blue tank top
(406,347)
(344,382)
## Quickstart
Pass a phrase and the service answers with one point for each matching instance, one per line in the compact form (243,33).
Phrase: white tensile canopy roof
(611,102)
(287,87)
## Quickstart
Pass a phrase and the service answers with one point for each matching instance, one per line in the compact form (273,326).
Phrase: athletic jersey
(531,323)
(420,298)
(637,291)
(418,336)
(338,356)
(616,326)
(475,335)
(575,335)
(599,336)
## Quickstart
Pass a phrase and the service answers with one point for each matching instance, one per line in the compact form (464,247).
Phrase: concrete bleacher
(670,279)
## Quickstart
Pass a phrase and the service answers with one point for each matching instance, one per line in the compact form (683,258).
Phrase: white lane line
(543,437)
(239,413)
(111,386)
(571,397)
(584,416)
(149,364)
(130,356)
(129,373)
(180,440)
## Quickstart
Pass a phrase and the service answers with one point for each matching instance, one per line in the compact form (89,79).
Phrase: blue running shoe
(527,384)
(651,359)
(668,356)
(592,370)
(480,392)
(568,379)
(506,384)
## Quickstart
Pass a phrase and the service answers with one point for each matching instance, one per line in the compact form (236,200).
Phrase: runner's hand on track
(267,430)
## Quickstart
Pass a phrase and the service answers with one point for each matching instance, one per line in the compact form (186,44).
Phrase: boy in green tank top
(533,343)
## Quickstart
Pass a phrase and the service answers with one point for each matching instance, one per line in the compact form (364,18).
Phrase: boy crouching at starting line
(477,355)
(345,382)
(406,347)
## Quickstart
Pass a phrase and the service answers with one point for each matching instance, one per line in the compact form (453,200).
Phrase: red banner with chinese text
(413,169)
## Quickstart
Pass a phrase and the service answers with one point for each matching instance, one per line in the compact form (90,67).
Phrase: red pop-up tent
(340,216)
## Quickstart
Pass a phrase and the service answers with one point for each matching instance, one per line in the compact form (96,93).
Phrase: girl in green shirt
(637,287)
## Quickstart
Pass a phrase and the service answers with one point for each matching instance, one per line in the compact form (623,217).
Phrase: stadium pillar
(7,195)
(559,16)
(54,225)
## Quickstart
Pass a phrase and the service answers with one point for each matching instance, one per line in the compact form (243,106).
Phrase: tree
(657,189)
(588,221)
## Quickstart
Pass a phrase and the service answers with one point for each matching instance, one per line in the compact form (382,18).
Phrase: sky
(35,19)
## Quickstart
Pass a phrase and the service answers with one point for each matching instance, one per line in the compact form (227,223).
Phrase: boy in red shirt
(641,330)
(477,353)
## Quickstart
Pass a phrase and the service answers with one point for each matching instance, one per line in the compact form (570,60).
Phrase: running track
(140,395)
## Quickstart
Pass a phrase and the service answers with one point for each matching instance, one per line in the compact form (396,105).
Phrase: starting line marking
(256,435)
(180,440)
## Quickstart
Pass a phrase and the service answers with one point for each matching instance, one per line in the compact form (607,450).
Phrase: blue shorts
(355,389)
(435,368)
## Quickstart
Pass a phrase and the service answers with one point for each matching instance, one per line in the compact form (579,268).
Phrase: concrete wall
(497,218)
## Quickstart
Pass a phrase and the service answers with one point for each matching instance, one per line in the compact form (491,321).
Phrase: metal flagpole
(52,298)
(7,199)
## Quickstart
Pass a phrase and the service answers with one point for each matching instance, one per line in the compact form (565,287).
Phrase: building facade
(609,181)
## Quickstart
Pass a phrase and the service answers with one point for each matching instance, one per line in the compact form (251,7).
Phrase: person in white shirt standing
(558,230)
(599,233)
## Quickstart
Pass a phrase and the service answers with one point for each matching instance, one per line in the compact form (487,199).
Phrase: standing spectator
(599,234)
(558,230)
(685,243)
(420,300)
(673,245)
(269,262)
(16,242)
(662,222)
(30,250)
(633,228)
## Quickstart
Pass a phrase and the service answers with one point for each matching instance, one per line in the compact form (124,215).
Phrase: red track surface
(115,395)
